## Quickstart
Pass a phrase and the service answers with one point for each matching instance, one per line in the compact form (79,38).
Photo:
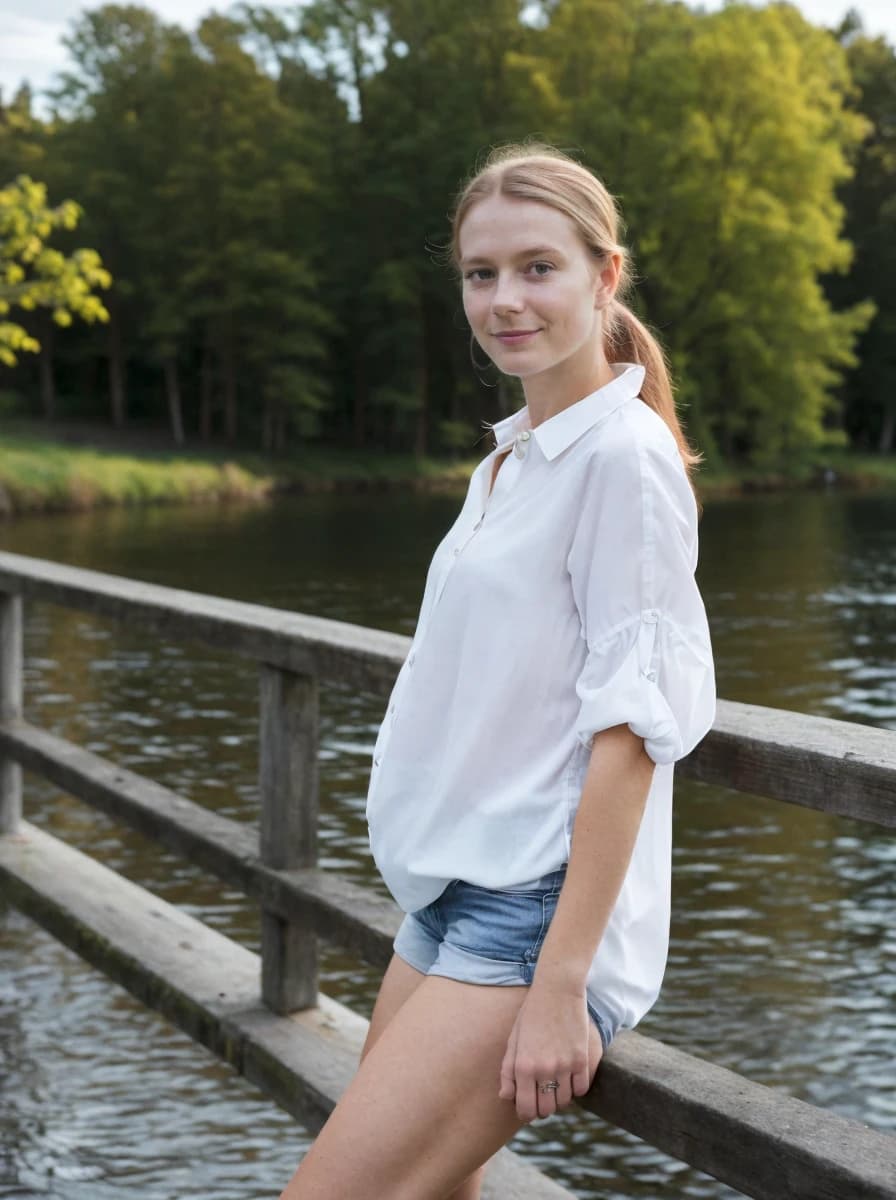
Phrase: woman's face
(525,268)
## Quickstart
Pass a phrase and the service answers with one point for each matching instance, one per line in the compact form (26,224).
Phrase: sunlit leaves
(35,275)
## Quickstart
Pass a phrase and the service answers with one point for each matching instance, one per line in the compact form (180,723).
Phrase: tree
(869,197)
(35,276)
(725,135)
(99,150)
(241,202)
(22,138)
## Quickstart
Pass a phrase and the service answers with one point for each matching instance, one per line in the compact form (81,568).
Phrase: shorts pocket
(498,925)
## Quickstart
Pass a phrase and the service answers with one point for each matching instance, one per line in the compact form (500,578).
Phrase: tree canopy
(268,191)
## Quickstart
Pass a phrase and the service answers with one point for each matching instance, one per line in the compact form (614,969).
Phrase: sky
(30,30)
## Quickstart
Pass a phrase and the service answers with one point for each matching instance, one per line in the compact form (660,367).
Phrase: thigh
(423,1111)
(399,982)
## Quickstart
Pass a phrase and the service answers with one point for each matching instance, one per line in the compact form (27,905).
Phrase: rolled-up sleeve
(649,661)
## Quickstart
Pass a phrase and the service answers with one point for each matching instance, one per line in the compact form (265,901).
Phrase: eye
(478,270)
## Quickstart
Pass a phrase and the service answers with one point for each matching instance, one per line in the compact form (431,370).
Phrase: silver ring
(550,1085)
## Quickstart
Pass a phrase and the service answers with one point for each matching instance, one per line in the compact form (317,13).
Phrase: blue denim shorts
(485,935)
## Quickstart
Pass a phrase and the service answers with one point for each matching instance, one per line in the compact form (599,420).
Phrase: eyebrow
(533,250)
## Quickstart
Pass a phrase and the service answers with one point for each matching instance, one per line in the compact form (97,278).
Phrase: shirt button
(411,658)
(376,761)
(456,551)
(651,616)
(525,435)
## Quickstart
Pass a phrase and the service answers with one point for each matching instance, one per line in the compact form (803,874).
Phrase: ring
(549,1085)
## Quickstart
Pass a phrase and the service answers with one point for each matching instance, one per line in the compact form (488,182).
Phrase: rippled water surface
(783,948)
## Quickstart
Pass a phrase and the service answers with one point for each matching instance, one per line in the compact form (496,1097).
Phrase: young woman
(520,801)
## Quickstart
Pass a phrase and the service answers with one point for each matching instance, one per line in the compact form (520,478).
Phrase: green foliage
(268,191)
(34,275)
(869,199)
(726,135)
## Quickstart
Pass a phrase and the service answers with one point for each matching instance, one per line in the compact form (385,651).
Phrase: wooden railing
(297,1044)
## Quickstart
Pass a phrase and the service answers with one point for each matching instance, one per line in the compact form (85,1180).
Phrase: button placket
(509,471)
(390,718)
(507,476)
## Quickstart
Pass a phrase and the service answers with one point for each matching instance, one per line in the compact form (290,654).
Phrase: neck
(568,382)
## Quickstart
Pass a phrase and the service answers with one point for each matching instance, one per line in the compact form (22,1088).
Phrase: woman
(520,801)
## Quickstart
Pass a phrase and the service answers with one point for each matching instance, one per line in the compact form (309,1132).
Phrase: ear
(606,280)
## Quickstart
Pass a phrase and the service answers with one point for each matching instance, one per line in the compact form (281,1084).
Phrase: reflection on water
(782,958)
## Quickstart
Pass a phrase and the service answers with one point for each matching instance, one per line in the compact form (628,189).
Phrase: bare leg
(399,981)
(423,1112)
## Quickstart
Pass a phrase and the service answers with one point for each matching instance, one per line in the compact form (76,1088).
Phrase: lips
(512,337)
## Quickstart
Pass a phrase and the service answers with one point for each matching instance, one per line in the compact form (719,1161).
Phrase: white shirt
(562,604)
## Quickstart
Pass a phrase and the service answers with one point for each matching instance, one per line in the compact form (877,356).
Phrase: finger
(526,1096)
(564,1093)
(582,1079)
(547,1101)
(507,1084)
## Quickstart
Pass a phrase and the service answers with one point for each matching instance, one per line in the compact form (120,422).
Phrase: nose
(506,296)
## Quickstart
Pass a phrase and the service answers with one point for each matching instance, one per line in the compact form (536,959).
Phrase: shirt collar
(562,429)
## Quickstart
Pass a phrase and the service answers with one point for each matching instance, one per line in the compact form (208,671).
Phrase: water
(783,948)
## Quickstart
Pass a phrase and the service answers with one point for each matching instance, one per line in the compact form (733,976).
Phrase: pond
(782,963)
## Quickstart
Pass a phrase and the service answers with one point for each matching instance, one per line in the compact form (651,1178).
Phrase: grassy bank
(42,474)
(68,472)
(839,468)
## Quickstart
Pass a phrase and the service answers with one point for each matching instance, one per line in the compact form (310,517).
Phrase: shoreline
(80,469)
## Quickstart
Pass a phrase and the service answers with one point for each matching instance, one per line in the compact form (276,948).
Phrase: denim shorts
(485,935)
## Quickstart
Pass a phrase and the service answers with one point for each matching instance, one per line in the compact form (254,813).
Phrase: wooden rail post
(11,626)
(288,782)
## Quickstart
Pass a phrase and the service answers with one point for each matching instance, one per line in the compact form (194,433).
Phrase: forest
(234,232)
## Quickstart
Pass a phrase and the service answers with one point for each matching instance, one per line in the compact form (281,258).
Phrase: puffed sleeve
(649,660)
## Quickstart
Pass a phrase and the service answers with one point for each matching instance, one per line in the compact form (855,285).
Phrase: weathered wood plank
(11,630)
(758,1140)
(840,767)
(288,783)
(362,922)
(335,651)
(690,1108)
(836,766)
(355,918)
(209,986)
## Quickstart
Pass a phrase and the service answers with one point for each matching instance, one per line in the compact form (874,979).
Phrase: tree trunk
(116,370)
(359,410)
(280,427)
(172,388)
(47,376)
(230,414)
(888,430)
(421,431)
(206,389)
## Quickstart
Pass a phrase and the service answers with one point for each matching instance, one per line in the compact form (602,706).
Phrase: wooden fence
(267,1017)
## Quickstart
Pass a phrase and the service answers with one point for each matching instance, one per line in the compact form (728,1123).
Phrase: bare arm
(607,821)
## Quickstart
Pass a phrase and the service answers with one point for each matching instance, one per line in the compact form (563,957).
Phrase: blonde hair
(539,171)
